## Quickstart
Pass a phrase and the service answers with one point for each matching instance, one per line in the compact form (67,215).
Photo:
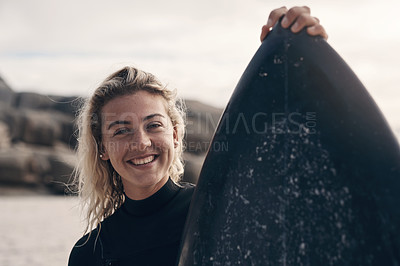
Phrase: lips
(143,160)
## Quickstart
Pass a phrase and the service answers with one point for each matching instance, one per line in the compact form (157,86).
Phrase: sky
(201,48)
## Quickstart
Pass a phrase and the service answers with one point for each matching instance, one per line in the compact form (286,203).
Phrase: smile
(143,161)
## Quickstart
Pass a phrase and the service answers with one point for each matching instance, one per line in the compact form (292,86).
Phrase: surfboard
(303,168)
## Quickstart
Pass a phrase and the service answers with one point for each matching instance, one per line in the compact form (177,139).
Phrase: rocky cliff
(37,139)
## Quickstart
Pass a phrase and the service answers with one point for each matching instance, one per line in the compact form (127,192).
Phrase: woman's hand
(296,18)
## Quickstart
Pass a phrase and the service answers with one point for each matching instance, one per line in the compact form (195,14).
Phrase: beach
(38,230)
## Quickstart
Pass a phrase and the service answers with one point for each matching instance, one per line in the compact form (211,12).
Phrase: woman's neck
(140,193)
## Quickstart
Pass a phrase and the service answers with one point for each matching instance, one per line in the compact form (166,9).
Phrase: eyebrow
(151,116)
(125,122)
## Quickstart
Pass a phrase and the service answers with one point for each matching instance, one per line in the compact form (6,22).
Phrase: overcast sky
(199,47)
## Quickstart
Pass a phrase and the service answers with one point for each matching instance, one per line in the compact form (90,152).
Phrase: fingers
(272,19)
(317,30)
(275,15)
(293,14)
(297,18)
(302,21)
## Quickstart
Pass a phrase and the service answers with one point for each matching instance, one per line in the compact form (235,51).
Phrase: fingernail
(311,29)
(269,22)
(295,27)
(285,22)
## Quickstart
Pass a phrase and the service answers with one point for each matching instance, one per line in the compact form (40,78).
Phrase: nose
(140,141)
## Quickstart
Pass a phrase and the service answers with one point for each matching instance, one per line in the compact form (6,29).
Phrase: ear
(104,156)
(103,153)
(175,136)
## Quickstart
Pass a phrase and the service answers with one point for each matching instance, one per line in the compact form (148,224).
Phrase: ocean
(38,230)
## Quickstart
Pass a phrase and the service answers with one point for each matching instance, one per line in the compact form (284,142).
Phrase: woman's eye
(154,125)
(121,131)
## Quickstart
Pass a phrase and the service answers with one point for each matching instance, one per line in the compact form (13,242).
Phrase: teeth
(142,161)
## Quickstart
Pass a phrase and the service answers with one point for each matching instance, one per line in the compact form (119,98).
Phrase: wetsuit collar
(153,203)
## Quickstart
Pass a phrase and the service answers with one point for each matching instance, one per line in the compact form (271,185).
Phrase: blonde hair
(98,184)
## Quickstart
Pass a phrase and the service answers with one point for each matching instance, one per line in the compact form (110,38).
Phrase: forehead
(134,106)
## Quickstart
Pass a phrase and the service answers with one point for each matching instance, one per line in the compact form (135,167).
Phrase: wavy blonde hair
(98,184)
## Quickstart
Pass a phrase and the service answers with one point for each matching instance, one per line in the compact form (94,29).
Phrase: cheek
(114,148)
(164,142)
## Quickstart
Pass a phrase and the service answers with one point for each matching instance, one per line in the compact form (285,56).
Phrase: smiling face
(138,139)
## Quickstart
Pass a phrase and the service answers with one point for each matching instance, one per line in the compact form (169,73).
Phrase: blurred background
(53,52)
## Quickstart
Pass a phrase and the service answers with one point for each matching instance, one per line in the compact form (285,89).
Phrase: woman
(130,162)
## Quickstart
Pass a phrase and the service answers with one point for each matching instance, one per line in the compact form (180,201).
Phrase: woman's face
(138,139)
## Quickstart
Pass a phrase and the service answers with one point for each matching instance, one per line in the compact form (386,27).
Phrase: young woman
(130,163)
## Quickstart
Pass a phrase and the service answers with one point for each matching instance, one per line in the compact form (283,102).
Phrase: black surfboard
(303,168)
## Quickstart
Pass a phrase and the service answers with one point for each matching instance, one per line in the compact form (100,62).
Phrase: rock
(40,128)
(201,122)
(14,121)
(41,119)
(67,127)
(31,100)
(5,140)
(68,105)
(15,168)
(37,166)
(193,164)
(59,175)
(7,95)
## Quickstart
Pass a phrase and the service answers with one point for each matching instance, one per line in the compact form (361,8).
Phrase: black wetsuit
(144,232)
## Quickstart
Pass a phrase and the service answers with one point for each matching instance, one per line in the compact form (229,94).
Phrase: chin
(146,181)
